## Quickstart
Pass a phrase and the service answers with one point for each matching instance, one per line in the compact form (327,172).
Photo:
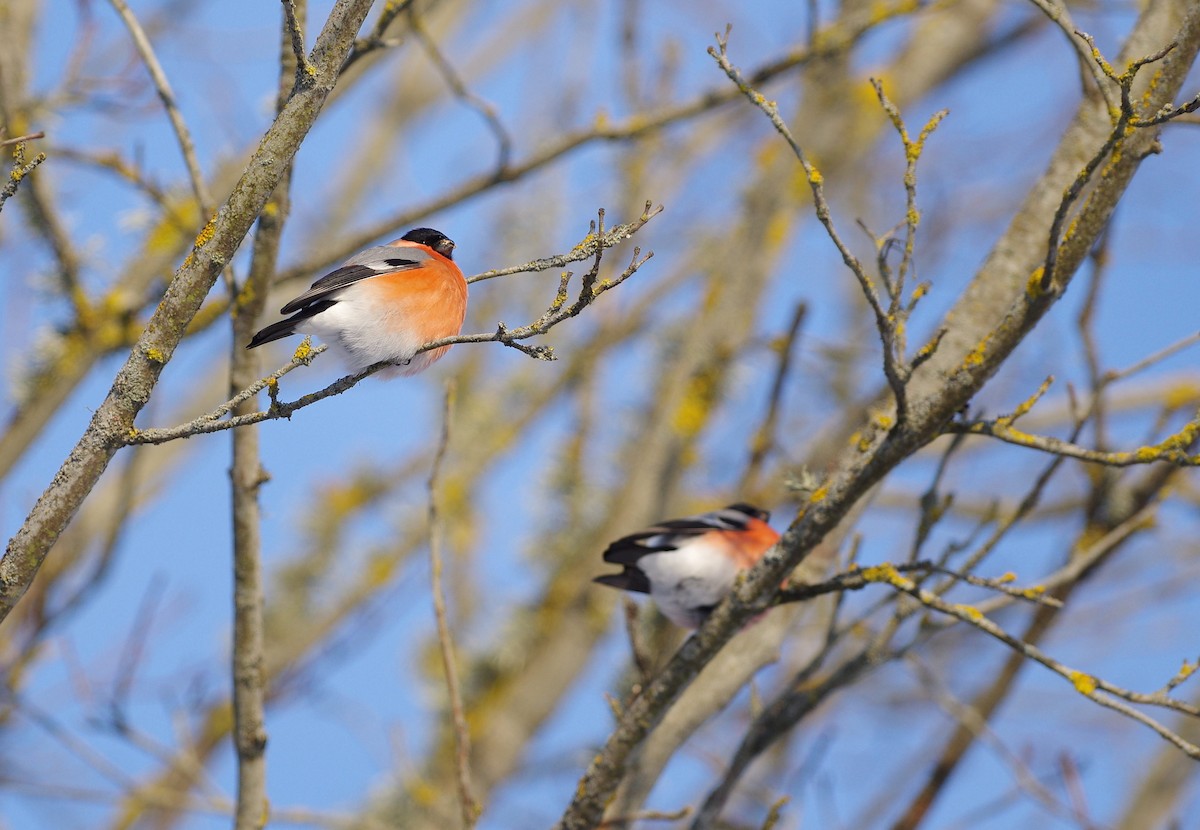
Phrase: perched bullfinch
(689,565)
(383,304)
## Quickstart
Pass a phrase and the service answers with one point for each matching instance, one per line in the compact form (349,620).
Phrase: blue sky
(373,713)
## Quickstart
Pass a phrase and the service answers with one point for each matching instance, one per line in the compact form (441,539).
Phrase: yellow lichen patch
(1187,670)
(1034,592)
(207,233)
(970,612)
(1145,455)
(1085,684)
(777,228)
(379,570)
(819,494)
(1181,395)
(975,358)
(585,243)
(244,297)
(341,501)
(1034,287)
(423,793)
(1008,576)
(880,573)
(302,351)
(156,355)
(886,572)
(694,409)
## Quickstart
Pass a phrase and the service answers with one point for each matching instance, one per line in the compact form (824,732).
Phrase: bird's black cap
(437,240)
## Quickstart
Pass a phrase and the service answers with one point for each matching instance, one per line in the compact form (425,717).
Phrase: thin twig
(374,41)
(450,75)
(1057,12)
(557,312)
(163,87)
(764,436)
(834,39)
(1084,683)
(1173,449)
(644,815)
(1157,357)
(859,578)
(1125,119)
(182,135)
(462,739)
(305,72)
(20,170)
(22,138)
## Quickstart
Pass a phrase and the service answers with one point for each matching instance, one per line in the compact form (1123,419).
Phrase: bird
(383,304)
(688,565)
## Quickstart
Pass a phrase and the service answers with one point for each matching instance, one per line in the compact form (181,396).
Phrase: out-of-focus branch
(246,474)
(162,86)
(485,109)
(764,436)
(214,248)
(834,39)
(462,755)
(8,142)
(859,467)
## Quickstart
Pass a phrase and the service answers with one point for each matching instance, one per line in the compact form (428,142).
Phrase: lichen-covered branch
(558,311)
(933,403)
(20,169)
(214,248)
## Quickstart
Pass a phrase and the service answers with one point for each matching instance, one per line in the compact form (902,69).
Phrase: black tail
(287,326)
(631,579)
(275,331)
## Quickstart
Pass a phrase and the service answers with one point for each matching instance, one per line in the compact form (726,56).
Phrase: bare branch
(470,809)
(486,110)
(8,142)
(136,380)
(163,87)
(304,70)
(19,171)
(557,312)
(1173,449)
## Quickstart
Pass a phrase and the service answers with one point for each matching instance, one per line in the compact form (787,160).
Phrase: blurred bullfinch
(688,565)
(383,304)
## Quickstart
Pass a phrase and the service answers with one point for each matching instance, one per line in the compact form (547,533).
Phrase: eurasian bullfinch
(688,565)
(383,304)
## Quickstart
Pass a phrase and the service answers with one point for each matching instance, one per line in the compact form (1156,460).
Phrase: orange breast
(749,545)
(430,302)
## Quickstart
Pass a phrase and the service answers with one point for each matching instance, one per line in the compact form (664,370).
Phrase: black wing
(382,259)
(671,534)
(630,579)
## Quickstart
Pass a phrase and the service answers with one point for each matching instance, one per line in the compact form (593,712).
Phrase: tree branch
(859,467)
(470,809)
(590,289)
(214,248)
